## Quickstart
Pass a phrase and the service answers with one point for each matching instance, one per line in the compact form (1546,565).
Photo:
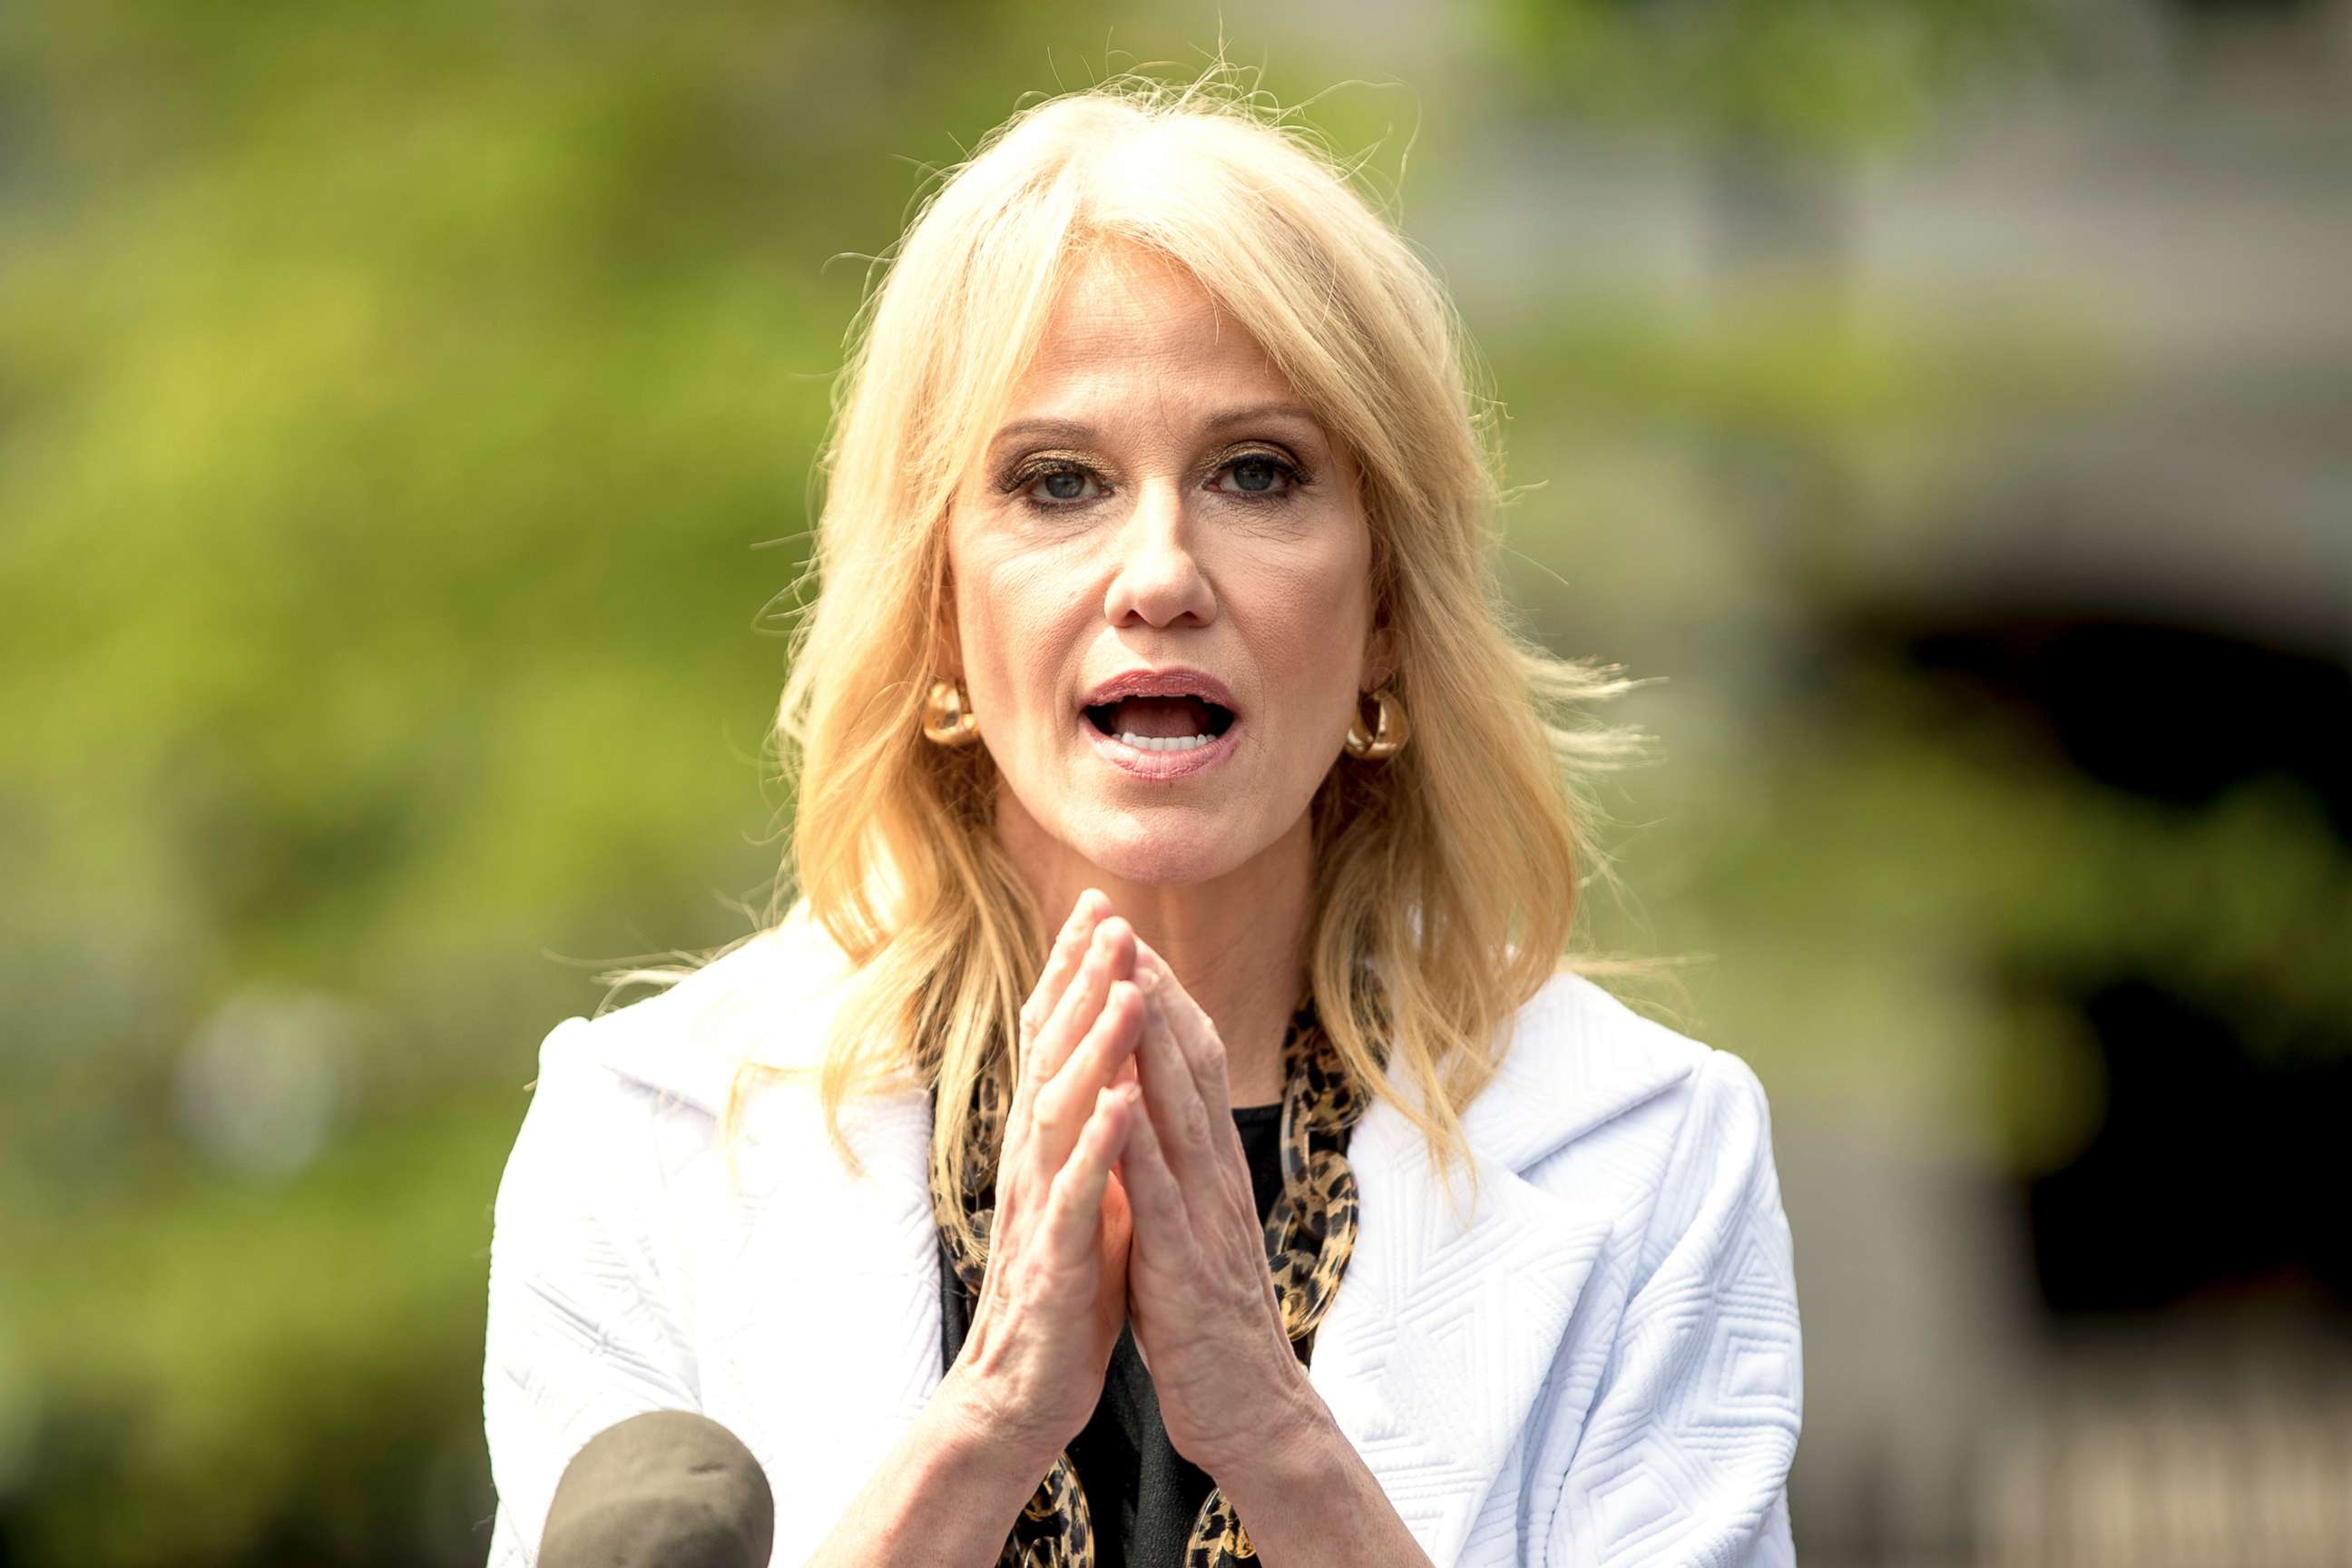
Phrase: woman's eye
(1055,485)
(1260,475)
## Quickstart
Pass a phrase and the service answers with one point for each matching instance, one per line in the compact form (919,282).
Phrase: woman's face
(1158,504)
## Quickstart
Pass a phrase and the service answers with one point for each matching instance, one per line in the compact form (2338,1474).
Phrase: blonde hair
(1452,867)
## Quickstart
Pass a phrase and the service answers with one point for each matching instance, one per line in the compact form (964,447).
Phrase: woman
(1291,1197)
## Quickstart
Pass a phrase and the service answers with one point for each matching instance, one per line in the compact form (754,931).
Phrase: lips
(1174,681)
(1213,727)
(1161,766)
(1202,704)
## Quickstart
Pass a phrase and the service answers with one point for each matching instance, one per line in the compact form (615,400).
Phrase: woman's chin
(1164,855)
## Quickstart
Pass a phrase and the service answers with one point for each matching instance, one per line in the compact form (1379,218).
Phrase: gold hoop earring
(948,717)
(1389,738)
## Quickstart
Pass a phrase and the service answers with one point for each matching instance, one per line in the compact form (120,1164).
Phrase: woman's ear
(944,637)
(1381,652)
(1380,658)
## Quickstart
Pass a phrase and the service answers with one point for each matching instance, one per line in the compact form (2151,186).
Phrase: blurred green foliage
(1806,76)
(405,423)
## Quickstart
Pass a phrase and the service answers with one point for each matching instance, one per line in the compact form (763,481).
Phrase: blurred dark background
(406,416)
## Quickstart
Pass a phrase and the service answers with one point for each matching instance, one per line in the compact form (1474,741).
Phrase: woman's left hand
(1199,1296)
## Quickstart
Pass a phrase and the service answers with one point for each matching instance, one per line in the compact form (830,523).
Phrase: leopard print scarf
(1310,1232)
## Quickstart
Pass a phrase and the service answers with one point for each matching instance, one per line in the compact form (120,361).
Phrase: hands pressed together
(1123,1194)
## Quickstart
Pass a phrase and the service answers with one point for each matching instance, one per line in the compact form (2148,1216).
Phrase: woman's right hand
(1054,1297)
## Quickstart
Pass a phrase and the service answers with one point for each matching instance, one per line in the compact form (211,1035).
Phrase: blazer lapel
(832,1335)
(1446,1323)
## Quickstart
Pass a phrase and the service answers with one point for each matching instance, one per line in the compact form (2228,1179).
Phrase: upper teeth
(1165,742)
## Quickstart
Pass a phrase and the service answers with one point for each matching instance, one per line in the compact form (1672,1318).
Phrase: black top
(1141,1494)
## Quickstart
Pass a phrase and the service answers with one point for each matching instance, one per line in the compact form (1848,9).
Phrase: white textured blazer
(1602,1367)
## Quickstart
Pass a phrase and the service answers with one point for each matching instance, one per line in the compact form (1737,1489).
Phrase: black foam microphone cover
(668,1487)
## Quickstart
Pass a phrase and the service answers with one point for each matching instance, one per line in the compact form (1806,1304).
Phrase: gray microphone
(668,1487)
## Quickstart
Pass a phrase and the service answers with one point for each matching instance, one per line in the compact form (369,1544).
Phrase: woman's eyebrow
(1071,432)
(1255,412)
(1075,432)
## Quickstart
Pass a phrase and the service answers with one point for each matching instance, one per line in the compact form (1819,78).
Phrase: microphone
(669,1488)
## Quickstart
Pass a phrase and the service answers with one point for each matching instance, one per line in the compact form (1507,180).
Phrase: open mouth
(1179,723)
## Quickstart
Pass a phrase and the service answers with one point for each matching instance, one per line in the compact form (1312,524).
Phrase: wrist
(1307,1500)
(977,1437)
(1289,1447)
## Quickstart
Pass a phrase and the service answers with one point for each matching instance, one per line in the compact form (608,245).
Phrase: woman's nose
(1157,578)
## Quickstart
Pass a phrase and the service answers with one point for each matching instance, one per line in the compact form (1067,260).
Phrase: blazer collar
(1447,1325)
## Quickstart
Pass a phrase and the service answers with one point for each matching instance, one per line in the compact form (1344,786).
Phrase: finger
(1073,1206)
(1230,1159)
(1061,964)
(1181,1122)
(1162,1220)
(1109,957)
(1063,1104)
(1196,1035)
(1154,1197)
(1071,945)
